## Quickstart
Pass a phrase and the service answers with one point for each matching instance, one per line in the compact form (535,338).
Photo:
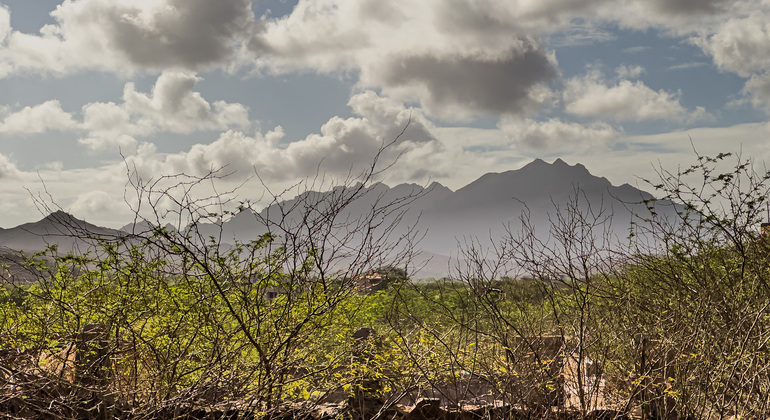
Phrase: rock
(328,411)
(427,409)
(363,333)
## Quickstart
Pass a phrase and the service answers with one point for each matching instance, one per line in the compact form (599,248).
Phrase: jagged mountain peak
(59,216)
(535,179)
(557,165)
(437,214)
(57,221)
(144,226)
(60,228)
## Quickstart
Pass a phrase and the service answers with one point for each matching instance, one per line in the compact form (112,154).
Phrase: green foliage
(265,322)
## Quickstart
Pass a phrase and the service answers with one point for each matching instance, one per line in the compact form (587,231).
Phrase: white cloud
(463,155)
(580,33)
(109,124)
(5,23)
(757,89)
(558,136)
(38,119)
(127,35)
(94,193)
(458,59)
(455,59)
(622,159)
(237,152)
(690,65)
(8,169)
(637,49)
(673,16)
(685,8)
(590,96)
(459,88)
(172,106)
(95,202)
(327,35)
(740,45)
(629,72)
(343,145)
(641,156)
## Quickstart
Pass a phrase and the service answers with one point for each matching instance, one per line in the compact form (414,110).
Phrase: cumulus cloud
(629,72)
(5,23)
(38,119)
(555,135)
(591,96)
(176,107)
(673,16)
(94,202)
(458,59)
(172,106)
(122,36)
(325,35)
(740,45)
(454,87)
(579,33)
(109,124)
(690,65)
(688,7)
(8,169)
(343,145)
(757,89)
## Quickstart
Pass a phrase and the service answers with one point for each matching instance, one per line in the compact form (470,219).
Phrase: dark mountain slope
(68,232)
(481,210)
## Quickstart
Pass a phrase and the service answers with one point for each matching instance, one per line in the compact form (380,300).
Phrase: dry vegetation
(669,323)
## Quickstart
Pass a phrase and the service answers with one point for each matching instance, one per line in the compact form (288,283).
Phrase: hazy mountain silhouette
(408,201)
(63,229)
(482,210)
(143,227)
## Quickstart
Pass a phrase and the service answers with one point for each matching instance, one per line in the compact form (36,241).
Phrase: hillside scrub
(670,322)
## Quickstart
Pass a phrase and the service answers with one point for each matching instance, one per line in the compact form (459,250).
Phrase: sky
(97,96)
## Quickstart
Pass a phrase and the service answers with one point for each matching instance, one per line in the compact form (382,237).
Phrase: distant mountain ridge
(59,228)
(496,200)
(480,210)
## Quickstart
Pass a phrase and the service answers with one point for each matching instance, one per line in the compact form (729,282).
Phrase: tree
(673,320)
(189,319)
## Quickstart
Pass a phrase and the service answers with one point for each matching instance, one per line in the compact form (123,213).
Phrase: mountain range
(483,210)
